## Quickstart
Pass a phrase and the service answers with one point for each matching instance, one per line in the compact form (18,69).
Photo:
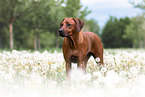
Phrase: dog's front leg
(68,67)
(81,66)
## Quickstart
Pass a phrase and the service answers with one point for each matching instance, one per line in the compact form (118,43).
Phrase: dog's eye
(68,24)
(61,25)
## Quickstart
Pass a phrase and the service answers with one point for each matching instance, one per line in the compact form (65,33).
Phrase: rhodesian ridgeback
(78,46)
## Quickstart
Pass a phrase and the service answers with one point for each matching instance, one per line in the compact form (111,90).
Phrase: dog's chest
(74,59)
(74,56)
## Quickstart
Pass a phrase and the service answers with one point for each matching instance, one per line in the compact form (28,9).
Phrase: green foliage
(15,9)
(47,40)
(23,36)
(3,35)
(36,22)
(135,31)
(138,3)
(74,9)
(112,35)
(92,26)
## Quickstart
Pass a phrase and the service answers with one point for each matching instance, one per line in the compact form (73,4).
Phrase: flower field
(27,74)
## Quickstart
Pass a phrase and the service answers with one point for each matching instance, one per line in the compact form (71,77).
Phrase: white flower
(34,69)
(7,76)
(23,62)
(95,83)
(1,67)
(39,67)
(16,63)
(112,79)
(53,66)
(55,52)
(97,74)
(12,71)
(76,75)
(129,74)
(31,62)
(23,72)
(26,67)
(140,80)
(113,65)
(14,51)
(54,83)
(15,67)
(104,69)
(87,77)
(16,87)
(133,70)
(101,79)
(123,73)
(97,59)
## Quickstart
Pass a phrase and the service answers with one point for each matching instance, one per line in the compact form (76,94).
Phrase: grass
(42,74)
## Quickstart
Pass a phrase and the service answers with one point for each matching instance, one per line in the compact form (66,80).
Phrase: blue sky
(102,9)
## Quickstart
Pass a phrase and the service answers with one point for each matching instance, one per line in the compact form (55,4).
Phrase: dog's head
(70,26)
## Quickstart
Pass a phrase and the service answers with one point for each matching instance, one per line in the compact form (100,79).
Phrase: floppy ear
(61,22)
(79,24)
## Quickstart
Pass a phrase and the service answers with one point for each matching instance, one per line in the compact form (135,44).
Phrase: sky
(102,9)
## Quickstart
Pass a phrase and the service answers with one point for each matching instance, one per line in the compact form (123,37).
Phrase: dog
(78,46)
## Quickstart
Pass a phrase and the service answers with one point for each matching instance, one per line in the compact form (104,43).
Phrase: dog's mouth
(62,35)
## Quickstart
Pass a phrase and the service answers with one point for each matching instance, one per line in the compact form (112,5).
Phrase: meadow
(42,74)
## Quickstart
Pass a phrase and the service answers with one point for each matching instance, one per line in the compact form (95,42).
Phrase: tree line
(34,24)
(125,32)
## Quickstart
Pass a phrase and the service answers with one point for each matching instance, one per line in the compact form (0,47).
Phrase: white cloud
(106,4)
(109,2)
(102,9)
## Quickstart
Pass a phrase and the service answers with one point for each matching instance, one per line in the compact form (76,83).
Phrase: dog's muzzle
(61,33)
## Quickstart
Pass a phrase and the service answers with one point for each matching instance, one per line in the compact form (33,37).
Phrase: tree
(12,10)
(112,35)
(122,24)
(136,31)
(3,35)
(41,21)
(108,37)
(57,14)
(138,3)
(73,8)
(35,22)
(92,26)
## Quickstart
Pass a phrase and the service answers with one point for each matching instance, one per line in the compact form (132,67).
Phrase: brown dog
(78,46)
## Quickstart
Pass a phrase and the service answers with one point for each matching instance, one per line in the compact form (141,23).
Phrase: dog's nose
(60,30)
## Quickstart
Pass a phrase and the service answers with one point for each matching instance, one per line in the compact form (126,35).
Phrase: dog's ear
(61,23)
(79,24)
